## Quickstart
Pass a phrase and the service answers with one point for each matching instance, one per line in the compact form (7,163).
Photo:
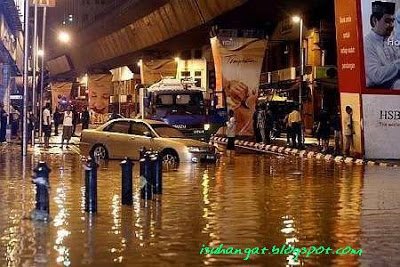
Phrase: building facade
(11,50)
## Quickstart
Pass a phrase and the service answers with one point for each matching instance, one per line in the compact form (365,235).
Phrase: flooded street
(246,202)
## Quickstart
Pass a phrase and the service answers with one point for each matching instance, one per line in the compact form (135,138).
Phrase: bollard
(41,180)
(91,186)
(145,178)
(156,166)
(126,185)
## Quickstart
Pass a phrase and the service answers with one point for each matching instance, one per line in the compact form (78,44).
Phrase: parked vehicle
(122,138)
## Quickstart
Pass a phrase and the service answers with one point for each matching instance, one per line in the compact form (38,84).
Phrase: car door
(140,139)
(118,139)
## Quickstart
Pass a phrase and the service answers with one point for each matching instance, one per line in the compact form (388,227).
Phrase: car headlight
(193,149)
(206,126)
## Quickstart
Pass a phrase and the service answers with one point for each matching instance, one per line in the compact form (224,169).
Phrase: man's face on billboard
(384,26)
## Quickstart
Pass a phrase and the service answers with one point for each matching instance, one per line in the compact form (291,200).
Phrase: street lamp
(64,37)
(298,19)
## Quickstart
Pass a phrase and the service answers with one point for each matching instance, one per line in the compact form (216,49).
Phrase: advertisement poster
(60,95)
(381,126)
(153,71)
(99,96)
(348,46)
(238,63)
(381,40)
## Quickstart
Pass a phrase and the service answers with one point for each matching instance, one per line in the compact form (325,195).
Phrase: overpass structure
(139,28)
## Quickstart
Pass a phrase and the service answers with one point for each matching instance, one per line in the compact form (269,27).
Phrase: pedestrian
(67,127)
(269,125)
(15,116)
(75,120)
(231,133)
(257,134)
(288,130)
(336,125)
(57,120)
(348,130)
(31,120)
(295,123)
(261,120)
(3,123)
(46,125)
(324,129)
(85,118)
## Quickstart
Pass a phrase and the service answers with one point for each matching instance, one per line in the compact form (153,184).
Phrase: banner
(238,63)
(153,71)
(348,46)
(99,86)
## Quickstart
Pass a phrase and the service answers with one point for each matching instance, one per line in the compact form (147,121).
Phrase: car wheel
(170,158)
(100,152)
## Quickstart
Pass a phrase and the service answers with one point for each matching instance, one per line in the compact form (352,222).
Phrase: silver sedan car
(120,138)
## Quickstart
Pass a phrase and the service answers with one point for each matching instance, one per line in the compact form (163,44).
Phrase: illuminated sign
(44,3)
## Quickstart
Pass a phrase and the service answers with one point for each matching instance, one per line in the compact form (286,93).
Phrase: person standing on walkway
(348,130)
(3,124)
(15,116)
(46,127)
(75,120)
(67,127)
(269,125)
(336,132)
(231,133)
(57,120)
(31,120)
(324,129)
(294,121)
(261,120)
(257,134)
(85,118)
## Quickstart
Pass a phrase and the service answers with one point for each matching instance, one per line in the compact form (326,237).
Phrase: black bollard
(41,180)
(91,186)
(156,173)
(126,186)
(145,178)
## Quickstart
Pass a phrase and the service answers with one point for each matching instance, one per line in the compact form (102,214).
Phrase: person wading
(231,133)
(67,127)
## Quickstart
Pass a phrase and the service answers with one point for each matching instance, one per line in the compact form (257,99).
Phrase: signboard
(44,3)
(153,71)
(381,126)
(15,97)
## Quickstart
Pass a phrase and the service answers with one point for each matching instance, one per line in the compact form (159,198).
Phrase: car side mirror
(148,134)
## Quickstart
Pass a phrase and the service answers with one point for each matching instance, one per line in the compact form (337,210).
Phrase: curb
(274,149)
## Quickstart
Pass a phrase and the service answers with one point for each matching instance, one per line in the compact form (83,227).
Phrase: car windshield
(167,131)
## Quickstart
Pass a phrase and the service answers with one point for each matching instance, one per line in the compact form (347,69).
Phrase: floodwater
(246,202)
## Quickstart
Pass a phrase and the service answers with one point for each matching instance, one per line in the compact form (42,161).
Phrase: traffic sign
(13,97)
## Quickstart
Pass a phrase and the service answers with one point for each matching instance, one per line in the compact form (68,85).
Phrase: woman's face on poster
(99,99)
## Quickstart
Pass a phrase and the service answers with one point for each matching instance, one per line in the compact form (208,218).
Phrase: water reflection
(244,202)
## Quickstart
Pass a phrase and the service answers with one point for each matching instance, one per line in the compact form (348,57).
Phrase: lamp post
(298,19)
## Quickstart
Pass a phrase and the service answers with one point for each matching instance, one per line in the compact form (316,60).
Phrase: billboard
(153,71)
(99,86)
(238,63)
(381,126)
(381,43)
